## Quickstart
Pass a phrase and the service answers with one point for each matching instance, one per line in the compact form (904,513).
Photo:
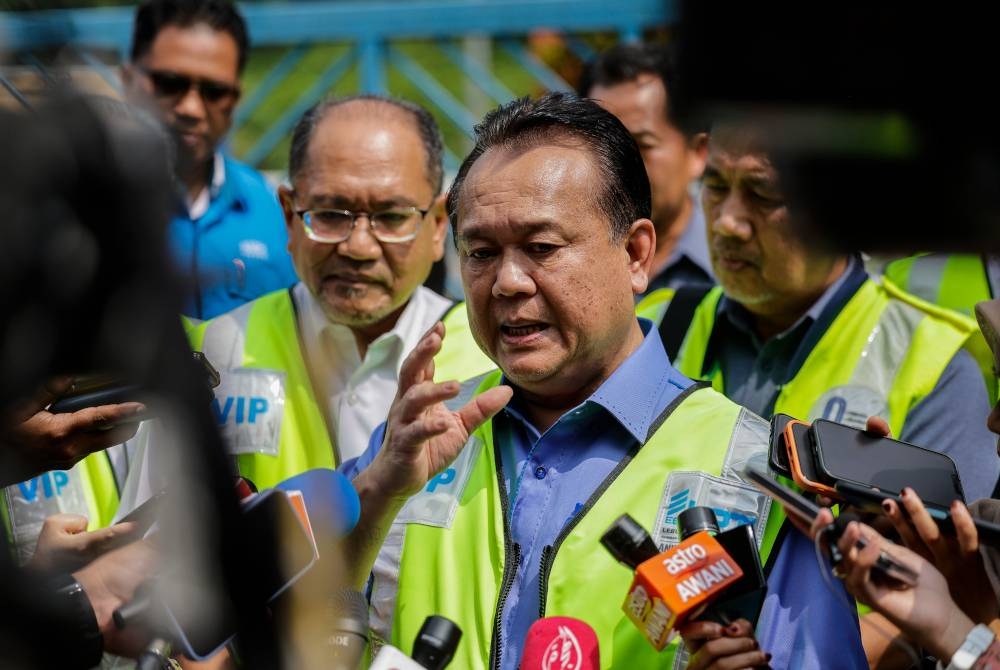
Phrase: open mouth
(523,330)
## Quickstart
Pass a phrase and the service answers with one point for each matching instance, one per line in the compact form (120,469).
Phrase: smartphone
(885,568)
(869,499)
(801,461)
(94,391)
(778,453)
(271,519)
(145,515)
(849,454)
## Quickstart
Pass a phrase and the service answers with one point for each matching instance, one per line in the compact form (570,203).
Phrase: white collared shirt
(358,392)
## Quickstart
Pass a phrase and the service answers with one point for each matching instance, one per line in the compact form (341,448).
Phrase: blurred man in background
(635,83)
(227,237)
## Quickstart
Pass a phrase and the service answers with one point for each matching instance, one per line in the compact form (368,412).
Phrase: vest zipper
(512,560)
(549,552)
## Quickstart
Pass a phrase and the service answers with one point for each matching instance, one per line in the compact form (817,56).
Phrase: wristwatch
(76,607)
(976,642)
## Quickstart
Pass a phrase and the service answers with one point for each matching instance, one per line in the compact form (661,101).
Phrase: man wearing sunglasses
(185,66)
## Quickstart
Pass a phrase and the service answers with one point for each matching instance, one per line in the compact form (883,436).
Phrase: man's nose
(730,218)
(361,244)
(512,277)
(191,104)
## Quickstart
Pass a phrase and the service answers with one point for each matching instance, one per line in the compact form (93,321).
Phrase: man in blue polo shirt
(228,235)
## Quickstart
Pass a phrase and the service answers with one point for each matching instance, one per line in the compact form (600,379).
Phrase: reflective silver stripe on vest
(867,393)
(225,338)
(436,506)
(31,502)
(926,276)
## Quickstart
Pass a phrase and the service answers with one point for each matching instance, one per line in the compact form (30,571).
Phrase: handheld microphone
(744,598)
(560,643)
(330,498)
(432,650)
(348,636)
(670,587)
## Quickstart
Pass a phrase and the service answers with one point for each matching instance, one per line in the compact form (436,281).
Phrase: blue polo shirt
(237,250)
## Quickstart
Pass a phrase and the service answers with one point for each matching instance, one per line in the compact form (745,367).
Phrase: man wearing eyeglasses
(186,61)
(308,373)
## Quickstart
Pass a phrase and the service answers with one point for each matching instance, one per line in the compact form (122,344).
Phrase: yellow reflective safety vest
(956,281)
(456,558)
(88,489)
(269,415)
(883,354)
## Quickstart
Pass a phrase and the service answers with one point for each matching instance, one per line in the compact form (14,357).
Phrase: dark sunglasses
(174,85)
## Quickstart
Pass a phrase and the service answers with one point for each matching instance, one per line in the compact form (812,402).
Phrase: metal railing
(458,57)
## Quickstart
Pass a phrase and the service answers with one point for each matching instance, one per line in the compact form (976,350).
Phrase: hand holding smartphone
(806,510)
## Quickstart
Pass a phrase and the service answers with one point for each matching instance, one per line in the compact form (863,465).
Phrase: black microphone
(348,636)
(432,650)
(743,598)
(436,642)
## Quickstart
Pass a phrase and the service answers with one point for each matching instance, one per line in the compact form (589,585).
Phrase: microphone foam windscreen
(560,643)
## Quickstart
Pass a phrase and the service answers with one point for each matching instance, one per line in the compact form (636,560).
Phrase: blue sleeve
(952,420)
(351,468)
(808,619)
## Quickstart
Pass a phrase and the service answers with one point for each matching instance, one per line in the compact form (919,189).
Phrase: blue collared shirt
(550,476)
(689,264)
(237,250)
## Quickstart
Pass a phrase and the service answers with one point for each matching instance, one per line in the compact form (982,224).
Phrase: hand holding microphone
(689,580)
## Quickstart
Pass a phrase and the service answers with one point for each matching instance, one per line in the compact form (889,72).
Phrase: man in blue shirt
(589,419)
(227,235)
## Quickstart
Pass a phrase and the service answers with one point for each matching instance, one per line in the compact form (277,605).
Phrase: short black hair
(153,16)
(623,63)
(427,128)
(556,117)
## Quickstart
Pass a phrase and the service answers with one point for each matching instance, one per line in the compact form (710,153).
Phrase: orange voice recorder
(671,587)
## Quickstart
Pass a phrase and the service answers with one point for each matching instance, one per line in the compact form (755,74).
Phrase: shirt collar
(407,331)
(637,392)
(833,298)
(198,206)
(692,243)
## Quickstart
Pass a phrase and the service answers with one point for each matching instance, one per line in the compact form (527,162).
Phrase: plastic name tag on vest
(248,406)
(437,503)
(735,504)
(31,502)
(850,404)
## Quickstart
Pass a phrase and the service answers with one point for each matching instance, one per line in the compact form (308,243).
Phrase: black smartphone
(848,454)
(802,461)
(778,454)
(886,567)
(869,499)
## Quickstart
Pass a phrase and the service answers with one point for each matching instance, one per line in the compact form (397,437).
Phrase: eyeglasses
(173,85)
(331,226)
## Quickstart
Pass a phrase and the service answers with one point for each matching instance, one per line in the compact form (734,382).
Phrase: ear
(697,155)
(439,218)
(640,245)
(285,198)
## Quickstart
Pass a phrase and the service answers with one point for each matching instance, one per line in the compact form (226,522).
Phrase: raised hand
(423,436)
